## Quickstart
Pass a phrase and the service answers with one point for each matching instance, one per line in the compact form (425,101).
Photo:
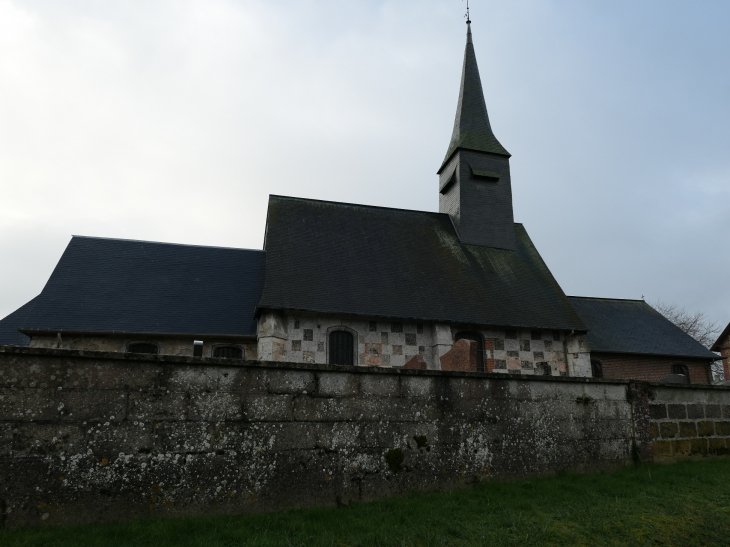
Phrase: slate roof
(353,259)
(633,326)
(140,286)
(472,129)
(9,334)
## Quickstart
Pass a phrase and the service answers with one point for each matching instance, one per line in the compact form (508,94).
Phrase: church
(357,285)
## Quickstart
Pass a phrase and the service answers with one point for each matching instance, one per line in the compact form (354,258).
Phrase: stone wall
(689,421)
(94,437)
(303,338)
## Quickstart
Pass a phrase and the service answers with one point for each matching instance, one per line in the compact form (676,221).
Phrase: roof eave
(121,333)
(451,155)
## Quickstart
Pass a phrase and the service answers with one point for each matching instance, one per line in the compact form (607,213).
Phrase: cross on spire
(467,13)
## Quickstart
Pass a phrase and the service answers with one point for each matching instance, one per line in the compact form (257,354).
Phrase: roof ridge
(366,206)
(167,243)
(607,298)
(358,205)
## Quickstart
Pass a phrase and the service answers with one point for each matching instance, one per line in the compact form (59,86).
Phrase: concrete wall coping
(239,363)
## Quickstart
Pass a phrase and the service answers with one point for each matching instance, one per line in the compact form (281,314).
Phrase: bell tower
(474,178)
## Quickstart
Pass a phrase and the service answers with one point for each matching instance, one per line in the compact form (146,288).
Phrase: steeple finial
(468,21)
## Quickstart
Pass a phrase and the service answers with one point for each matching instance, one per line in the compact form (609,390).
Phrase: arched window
(341,350)
(679,368)
(228,352)
(596,368)
(143,347)
(479,339)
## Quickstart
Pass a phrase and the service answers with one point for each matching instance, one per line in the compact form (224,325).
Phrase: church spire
(472,130)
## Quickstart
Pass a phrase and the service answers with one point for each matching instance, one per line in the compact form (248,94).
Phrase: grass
(681,504)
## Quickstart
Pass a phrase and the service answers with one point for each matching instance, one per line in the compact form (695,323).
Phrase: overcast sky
(174,120)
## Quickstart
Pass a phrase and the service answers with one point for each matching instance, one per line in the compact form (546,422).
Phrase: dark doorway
(597,369)
(479,339)
(341,348)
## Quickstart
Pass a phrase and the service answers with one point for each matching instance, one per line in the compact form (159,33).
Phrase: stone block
(725,411)
(215,407)
(668,430)
(699,447)
(117,375)
(718,447)
(249,379)
(705,428)
(682,447)
(189,378)
(268,408)
(713,411)
(107,440)
(695,411)
(687,429)
(157,406)
(6,439)
(290,381)
(379,385)
(662,449)
(417,386)
(295,436)
(658,412)
(654,430)
(182,437)
(320,409)
(722,429)
(677,412)
(101,405)
(333,384)
(337,435)
(34,439)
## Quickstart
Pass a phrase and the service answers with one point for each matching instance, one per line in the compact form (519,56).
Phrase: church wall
(303,338)
(166,345)
(652,368)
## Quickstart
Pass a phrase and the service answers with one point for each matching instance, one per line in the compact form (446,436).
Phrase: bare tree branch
(697,325)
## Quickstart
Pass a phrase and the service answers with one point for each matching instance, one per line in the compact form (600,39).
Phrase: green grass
(682,504)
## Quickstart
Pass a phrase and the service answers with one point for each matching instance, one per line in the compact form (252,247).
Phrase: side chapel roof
(633,326)
(104,285)
(9,335)
(340,258)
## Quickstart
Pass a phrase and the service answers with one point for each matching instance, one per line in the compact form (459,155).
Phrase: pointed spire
(471,125)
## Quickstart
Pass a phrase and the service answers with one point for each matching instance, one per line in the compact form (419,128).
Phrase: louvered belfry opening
(480,346)
(228,352)
(341,350)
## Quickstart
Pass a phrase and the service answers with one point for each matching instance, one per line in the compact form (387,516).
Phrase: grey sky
(174,121)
